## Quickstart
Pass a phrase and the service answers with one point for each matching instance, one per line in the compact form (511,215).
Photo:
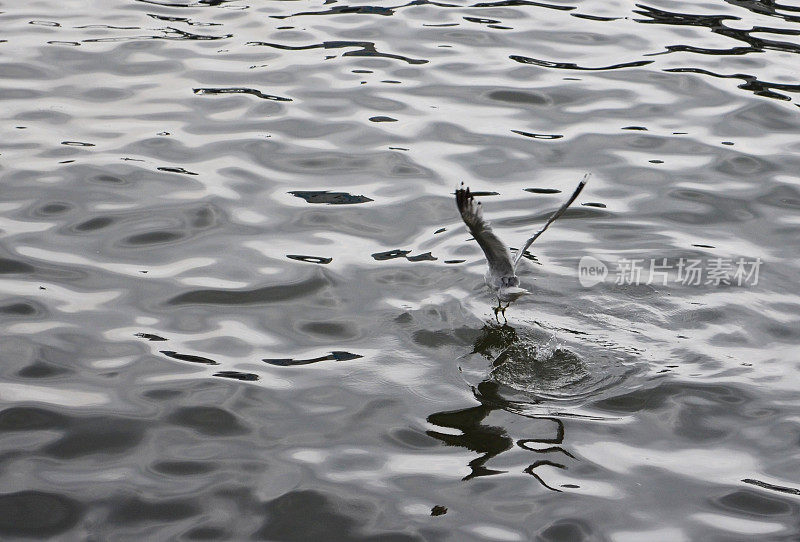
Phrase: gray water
(238,301)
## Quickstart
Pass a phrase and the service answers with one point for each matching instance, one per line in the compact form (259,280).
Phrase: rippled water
(238,301)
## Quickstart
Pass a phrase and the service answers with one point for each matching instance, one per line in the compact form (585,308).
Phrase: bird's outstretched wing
(497,253)
(552,219)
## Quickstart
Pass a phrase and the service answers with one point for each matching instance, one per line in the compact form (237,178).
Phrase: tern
(501,276)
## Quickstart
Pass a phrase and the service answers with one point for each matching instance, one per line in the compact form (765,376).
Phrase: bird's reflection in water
(503,346)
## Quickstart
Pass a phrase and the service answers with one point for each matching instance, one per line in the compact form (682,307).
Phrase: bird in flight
(501,275)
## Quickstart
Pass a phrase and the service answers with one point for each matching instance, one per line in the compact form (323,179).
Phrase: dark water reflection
(238,303)
(490,441)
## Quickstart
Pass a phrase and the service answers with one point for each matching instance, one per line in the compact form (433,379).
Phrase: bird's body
(501,276)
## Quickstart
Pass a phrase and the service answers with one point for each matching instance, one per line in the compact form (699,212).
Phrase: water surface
(238,302)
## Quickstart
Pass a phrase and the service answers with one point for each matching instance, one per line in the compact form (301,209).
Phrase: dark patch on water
(538,136)
(150,337)
(773,487)
(398,253)
(30,419)
(331,198)
(758,504)
(189,357)
(168,34)
(594,17)
(55,208)
(135,510)
(19,309)
(425,257)
(37,514)
(180,170)
(41,370)
(237,90)
(504,3)
(362,48)
(572,66)
(435,338)
(94,224)
(309,259)
(183,468)
(77,144)
(94,436)
(236,375)
(481,20)
(542,190)
(390,254)
(438,510)
(333,356)
(751,83)
(339,330)
(267,294)
(207,420)
(153,238)
(335,519)
(9,266)
(337,10)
